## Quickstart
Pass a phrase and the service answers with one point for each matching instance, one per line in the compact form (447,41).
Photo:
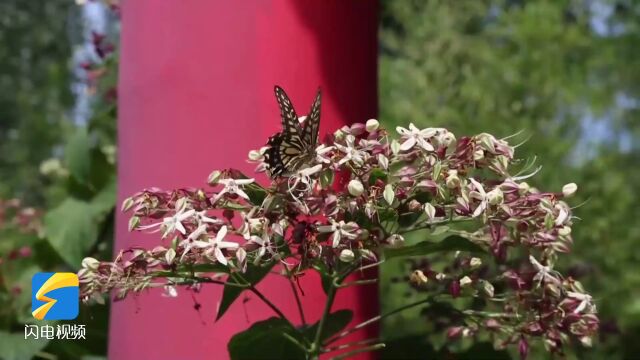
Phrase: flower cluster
(360,195)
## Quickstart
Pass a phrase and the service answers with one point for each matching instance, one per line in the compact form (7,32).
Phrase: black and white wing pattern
(294,146)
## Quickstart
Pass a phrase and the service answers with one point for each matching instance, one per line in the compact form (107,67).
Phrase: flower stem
(264,299)
(347,355)
(378,318)
(316,346)
(295,294)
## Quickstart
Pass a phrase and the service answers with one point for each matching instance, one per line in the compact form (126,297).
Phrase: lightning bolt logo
(61,306)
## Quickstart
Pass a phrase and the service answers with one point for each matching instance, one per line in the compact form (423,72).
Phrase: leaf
(334,322)
(325,277)
(105,200)
(253,275)
(71,229)
(450,243)
(78,155)
(273,338)
(376,174)
(15,346)
(326,178)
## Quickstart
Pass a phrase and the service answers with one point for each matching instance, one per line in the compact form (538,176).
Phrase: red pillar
(196,94)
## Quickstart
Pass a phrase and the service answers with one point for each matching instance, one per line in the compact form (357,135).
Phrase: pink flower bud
(523,348)
(454,288)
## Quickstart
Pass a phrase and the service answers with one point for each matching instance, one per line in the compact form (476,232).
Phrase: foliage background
(564,72)
(57,135)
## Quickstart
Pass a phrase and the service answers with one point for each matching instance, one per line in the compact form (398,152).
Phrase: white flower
(544,273)
(170,291)
(372,125)
(351,153)
(216,245)
(340,230)
(173,223)
(415,136)
(265,245)
(475,262)
(569,189)
(479,194)
(355,188)
(192,240)
(586,302)
(321,154)
(232,186)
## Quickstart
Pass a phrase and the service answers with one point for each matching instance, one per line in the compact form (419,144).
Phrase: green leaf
(376,174)
(274,338)
(15,346)
(450,243)
(334,322)
(78,155)
(326,178)
(71,229)
(325,276)
(253,275)
(105,200)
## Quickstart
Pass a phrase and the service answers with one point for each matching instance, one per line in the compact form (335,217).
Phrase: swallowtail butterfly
(294,147)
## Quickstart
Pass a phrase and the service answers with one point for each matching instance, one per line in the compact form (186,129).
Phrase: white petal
(220,257)
(408,144)
(336,238)
(242,193)
(221,233)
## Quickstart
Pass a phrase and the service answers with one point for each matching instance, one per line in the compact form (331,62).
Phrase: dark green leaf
(78,155)
(450,243)
(335,322)
(274,338)
(71,229)
(376,174)
(253,275)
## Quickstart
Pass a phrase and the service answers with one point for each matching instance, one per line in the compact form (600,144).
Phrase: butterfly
(293,147)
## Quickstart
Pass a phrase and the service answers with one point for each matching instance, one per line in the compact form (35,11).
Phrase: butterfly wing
(312,124)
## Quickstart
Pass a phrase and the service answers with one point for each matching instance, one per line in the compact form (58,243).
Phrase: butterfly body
(294,147)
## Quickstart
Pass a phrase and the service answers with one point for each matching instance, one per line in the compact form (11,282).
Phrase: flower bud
(169,256)
(465,281)
(488,288)
(395,240)
(564,231)
(372,125)
(569,189)
(454,288)
(90,263)
(430,210)
(127,204)
(475,262)
(414,206)
(355,188)
(214,177)
(418,278)
(452,181)
(478,155)
(388,194)
(454,332)
(133,223)
(255,155)
(347,255)
(523,187)
(523,348)
(447,139)
(495,196)
(441,276)
(383,161)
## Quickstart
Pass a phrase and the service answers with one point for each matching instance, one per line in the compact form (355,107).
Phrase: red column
(196,94)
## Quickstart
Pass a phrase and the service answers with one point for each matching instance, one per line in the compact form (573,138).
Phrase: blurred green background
(565,73)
